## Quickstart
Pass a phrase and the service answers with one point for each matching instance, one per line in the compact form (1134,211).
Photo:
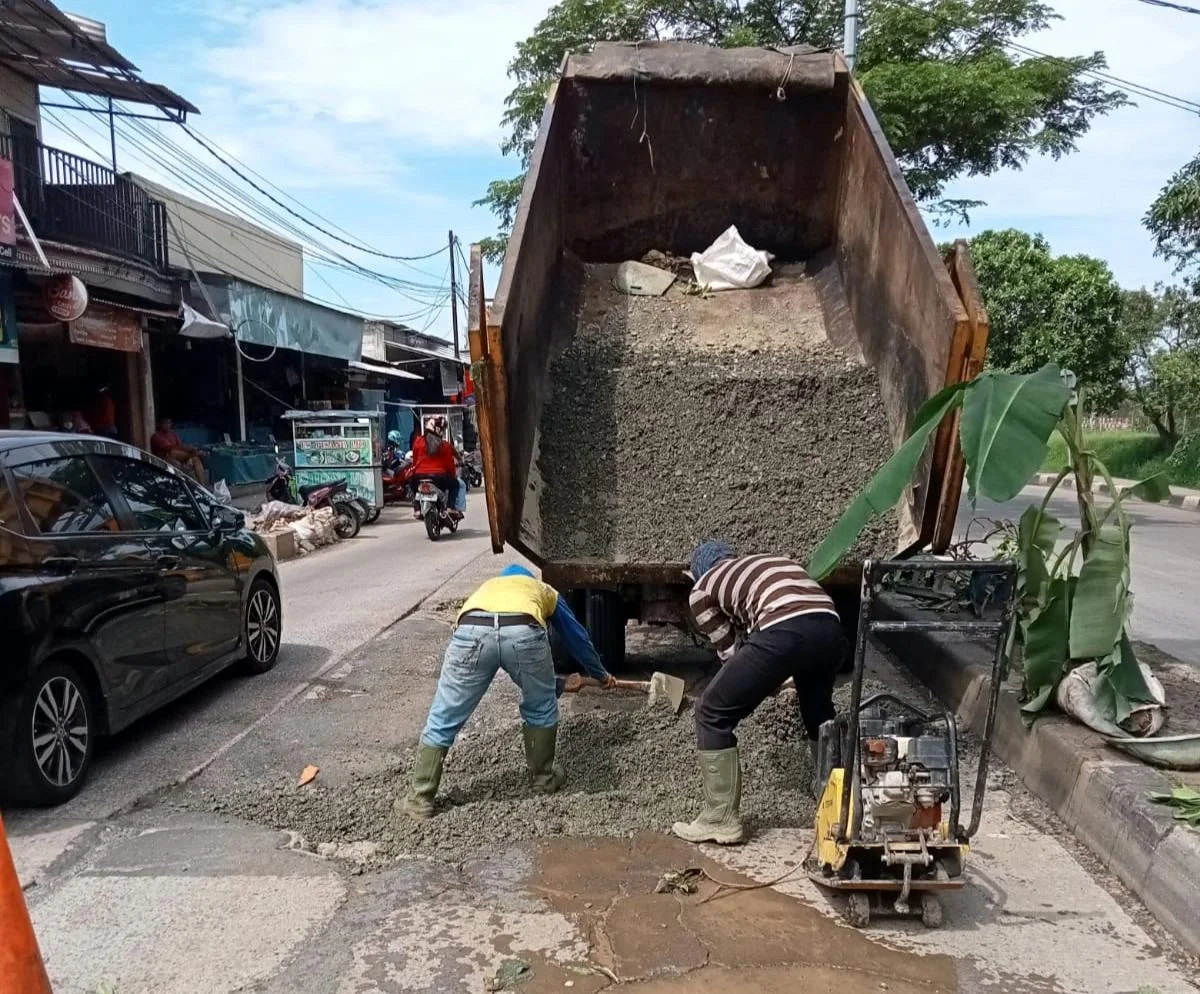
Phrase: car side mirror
(227,519)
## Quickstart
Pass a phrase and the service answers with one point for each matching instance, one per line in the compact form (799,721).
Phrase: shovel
(660,687)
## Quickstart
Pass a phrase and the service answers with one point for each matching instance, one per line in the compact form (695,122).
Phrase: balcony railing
(73,200)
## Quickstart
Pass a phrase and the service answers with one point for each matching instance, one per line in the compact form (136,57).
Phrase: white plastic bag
(221,492)
(730,264)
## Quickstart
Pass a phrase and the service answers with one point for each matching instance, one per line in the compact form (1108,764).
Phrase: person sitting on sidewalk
(503,625)
(167,445)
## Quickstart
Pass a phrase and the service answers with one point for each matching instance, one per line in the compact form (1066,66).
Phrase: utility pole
(112,134)
(453,296)
(850,38)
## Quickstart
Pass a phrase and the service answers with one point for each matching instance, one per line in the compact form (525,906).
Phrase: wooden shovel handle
(576,682)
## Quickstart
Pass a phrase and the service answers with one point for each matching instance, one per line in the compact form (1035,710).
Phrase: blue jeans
(473,657)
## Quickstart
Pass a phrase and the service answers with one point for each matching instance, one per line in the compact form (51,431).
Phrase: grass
(1128,455)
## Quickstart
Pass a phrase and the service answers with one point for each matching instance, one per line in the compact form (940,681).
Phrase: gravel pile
(675,419)
(629,767)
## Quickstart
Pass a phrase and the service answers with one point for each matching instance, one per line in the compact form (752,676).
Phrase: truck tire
(605,621)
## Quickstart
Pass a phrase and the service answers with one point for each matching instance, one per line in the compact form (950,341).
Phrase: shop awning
(384,370)
(273,319)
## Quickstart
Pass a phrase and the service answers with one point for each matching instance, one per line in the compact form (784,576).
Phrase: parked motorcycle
(471,474)
(434,507)
(398,482)
(348,513)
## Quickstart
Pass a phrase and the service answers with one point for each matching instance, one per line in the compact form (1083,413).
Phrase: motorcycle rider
(503,625)
(393,455)
(435,459)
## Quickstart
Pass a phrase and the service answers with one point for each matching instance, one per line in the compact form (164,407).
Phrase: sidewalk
(1102,796)
(1182,497)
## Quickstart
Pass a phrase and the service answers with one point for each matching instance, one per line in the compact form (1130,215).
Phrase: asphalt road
(334,600)
(1166,556)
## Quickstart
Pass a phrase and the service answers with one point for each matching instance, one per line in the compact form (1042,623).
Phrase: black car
(123,584)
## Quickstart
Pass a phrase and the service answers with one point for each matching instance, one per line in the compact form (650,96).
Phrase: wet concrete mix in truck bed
(675,419)
(630,767)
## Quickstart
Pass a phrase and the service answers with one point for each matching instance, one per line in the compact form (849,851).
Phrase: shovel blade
(664,687)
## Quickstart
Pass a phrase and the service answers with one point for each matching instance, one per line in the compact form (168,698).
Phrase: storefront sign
(8,223)
(108,328)
(66,297)
(343,452)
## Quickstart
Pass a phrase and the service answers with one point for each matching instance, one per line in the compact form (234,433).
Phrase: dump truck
(619,427)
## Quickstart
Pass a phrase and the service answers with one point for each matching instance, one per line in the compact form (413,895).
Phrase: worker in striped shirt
(769,620)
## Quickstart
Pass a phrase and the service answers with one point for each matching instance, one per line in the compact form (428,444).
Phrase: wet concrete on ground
(169,897)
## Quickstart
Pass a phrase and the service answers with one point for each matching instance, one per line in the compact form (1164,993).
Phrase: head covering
(708,554)
(515,570)
(394,437)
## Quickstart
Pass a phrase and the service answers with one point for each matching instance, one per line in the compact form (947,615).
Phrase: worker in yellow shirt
(503,625)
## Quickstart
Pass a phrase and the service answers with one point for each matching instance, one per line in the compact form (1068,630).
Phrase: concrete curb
(1101,796)
(1188,500)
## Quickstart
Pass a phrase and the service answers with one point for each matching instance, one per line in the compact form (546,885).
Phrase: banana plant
(1067,616)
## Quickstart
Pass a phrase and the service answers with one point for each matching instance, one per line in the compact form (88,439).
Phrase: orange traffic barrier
(21,967)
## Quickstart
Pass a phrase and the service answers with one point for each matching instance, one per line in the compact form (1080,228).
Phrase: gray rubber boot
(426,776)
(720,820)
(540,745)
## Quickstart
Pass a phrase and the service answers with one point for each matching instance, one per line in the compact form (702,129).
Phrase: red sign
(66,297)
(108,328)
(8,224)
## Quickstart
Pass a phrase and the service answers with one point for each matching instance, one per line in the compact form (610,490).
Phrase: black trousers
(444,481)
(808,648)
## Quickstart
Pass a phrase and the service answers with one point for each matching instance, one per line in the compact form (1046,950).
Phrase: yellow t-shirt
(514,595)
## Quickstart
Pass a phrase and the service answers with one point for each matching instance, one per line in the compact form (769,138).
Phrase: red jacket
(440,464)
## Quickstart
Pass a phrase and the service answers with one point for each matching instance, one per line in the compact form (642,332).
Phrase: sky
(384,117)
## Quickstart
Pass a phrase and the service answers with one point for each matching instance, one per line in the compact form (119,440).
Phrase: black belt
(489,619)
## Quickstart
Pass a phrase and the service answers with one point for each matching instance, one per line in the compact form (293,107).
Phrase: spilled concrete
(670,420)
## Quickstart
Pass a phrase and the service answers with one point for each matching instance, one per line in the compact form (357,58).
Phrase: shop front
(81,363)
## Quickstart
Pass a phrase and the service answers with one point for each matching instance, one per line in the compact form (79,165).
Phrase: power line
(101,66)
(1182,8)
(1113,82)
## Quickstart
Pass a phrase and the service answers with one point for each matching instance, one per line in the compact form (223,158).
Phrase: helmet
(436,424)
(395,437)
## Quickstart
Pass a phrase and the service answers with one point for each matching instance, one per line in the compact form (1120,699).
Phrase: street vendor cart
(336,445)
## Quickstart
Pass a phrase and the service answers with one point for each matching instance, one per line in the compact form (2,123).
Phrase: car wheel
(263,628)
(56,737)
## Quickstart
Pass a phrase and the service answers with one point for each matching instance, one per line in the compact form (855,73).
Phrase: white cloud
(429,72)
(1093,200)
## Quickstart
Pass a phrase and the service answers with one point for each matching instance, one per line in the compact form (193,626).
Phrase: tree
(1163,332)
(1045,308)
(951,98)
(1174,220)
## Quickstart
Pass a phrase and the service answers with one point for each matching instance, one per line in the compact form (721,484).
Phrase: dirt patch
(629,768)
(1181,683)
(674,419)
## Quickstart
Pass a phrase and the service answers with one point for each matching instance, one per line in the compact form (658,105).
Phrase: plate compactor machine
(887,823)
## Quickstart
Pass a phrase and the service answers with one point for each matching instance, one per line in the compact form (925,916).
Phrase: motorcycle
(398,481)
(434,509)
(471,474)
(348,513)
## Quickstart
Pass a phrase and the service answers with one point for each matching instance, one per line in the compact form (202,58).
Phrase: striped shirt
(750,593)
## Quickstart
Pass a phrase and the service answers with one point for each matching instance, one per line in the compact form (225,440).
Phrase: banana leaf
(1045,638)
(1037,535)
(887,485)
(1099,608)
(1126,676)
(1153,488)
(1007,419)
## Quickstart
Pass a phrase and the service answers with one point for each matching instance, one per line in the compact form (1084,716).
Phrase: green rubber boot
(547,775)
(426,776)
(720,820)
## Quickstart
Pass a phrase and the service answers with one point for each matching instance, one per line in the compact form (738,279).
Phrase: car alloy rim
(60,731)
(262,625)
